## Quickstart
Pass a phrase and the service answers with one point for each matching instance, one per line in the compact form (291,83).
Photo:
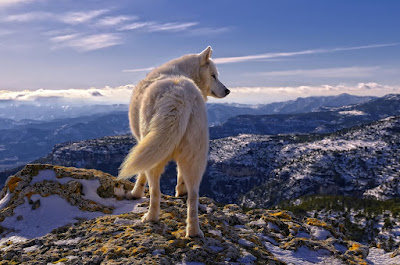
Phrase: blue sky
(265,50)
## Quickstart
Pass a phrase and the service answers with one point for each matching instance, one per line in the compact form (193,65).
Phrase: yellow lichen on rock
(13,183)
(282,215)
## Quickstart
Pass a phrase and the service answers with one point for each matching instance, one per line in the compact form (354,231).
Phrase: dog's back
(170,110)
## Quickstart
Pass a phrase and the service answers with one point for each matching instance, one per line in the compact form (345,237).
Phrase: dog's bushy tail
(166,130)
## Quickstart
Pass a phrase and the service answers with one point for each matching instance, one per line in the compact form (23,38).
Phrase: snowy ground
(54,211)
(303,256)
(380,257)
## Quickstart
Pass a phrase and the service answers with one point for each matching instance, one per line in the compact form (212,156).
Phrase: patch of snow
(53,212)
(43,175)
(267,238)
(352,112)
(240,227)
(247,258)
(5,200)
(245,242)
(215,232)
(31,248)
(303,256)
(89,188)
(272,226)
(120,191)
(11,238)
(67,242)
(320,233)
(259,222)
(378,256)
(303,234)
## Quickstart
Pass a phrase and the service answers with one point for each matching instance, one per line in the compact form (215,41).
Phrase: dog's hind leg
(180,186)
(153,177)
(138,190)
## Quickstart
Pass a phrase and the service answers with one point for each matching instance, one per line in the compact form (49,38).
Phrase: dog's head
(208,76)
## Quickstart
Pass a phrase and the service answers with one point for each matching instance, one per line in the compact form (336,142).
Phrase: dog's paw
(180,193)
(180,190)
(135,194)
(194,232)
(150,218)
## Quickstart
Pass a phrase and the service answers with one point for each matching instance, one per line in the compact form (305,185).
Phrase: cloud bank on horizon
(248,95)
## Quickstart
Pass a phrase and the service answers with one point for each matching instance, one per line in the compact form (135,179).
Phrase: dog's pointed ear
(205,55)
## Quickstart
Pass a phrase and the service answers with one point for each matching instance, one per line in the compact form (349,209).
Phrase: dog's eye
(213,75)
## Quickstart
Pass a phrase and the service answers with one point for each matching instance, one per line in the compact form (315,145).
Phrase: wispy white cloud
(7,3)
(209,31)
(82,17)
(150,26)
(91,42)
(257,57)
(114,20)
(68,18)
(338,72)
(171,26)
(27,17)
(64,38)
(138,70)
(136,25)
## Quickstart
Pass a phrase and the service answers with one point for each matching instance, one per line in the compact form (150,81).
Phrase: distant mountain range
(219,113)
(29,131)
(327,120)
(48,110)
(24,143)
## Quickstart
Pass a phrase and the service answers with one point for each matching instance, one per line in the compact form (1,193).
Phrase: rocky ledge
(59,215)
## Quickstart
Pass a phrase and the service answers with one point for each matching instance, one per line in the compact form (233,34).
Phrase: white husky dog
(168,118)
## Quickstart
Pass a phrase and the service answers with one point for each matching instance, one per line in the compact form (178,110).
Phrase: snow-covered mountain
(360,162)
(262,170)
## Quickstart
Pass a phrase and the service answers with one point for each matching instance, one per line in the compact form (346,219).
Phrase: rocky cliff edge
(59,215)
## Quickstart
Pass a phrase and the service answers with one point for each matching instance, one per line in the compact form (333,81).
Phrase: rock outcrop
(52,214)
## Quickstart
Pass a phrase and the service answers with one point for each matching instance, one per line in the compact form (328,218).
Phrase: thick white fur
(168,118)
